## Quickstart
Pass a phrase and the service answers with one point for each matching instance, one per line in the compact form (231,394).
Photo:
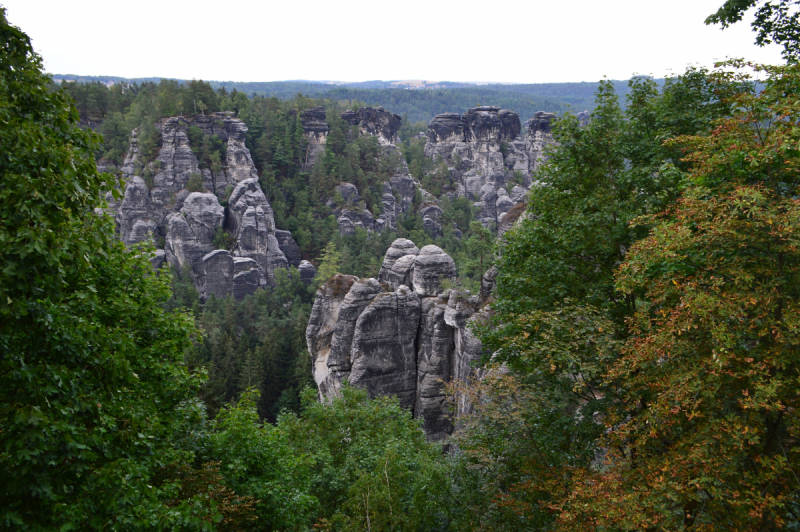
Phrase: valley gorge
(404,333)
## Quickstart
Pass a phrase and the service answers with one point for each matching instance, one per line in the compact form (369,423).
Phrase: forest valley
(639,364)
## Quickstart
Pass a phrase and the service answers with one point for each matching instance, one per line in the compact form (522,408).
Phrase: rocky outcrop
(307,271)
(315,129)
(431,267)
(190,233)
(538,137)
(487,156)
(157,206)
(401,335)
(321,326)
(375,121)
(289,247)
(383,349)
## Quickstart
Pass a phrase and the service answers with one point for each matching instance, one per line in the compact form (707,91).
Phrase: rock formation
(487,157)
(157,206)
(375,121)
(401,334)
(316,129)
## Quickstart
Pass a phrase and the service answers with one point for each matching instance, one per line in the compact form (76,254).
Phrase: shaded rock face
(431,267)
(307,271)
(486,155)
(321,325)
(315,129)
(289,247)
(398,335)
(538,137)
(375,121)
(188,222)
(383,349)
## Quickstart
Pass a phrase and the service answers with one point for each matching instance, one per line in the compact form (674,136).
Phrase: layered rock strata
(401,334)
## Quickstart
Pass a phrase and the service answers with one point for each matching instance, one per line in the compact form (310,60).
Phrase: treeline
(419,105)
(248,343)
(645,314)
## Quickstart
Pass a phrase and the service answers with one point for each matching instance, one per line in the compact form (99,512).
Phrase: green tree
(560,321)
(775,22)
(329,264)
(94,398)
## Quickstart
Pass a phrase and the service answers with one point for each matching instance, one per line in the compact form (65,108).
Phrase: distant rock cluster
(488,153)
(404,334)
(488,157)
(184,224)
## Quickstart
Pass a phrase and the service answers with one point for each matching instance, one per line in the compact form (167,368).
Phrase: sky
(523,41)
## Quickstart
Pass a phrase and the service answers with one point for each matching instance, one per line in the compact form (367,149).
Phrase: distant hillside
(422,102)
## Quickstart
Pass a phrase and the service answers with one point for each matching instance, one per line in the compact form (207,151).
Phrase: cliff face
(163,210)
(398,192)
(402,334)
(483,148)
(489,154)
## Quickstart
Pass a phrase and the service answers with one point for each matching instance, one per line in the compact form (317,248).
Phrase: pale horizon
(514,41)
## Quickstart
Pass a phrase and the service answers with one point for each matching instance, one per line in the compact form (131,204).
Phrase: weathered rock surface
(401,335)
(216,274)
(289,247)
(316,129)
(161,208)
(487,155)
(321,326)
(307,271)
(375,121)
(431,267)
(383,349)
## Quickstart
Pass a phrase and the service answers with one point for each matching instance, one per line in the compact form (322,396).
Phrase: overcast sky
(530,41)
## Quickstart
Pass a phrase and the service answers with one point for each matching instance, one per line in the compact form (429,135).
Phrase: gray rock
(361,294)
(383,350)
(307,271)
(483,149)
(538,137)
(248,194)
(375,121)
(275,259)
(488,283)
(135,206)
(349,219)
(398,343)
(434,369)
(217,274)
(245,283)
(321,325)
(143,230)
(240,165)
(401,272)
(431,267)
(289,247)
(447,127)
(190,233)
(243,264)
(158,259)
(349,192)
(399,248)
(204,215)
(316,129)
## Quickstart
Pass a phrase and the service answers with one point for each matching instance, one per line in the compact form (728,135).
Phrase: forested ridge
(419,105)
(641,348)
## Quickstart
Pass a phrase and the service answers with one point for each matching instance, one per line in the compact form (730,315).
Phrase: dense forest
(240,336)
(641,352)
(418,105)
